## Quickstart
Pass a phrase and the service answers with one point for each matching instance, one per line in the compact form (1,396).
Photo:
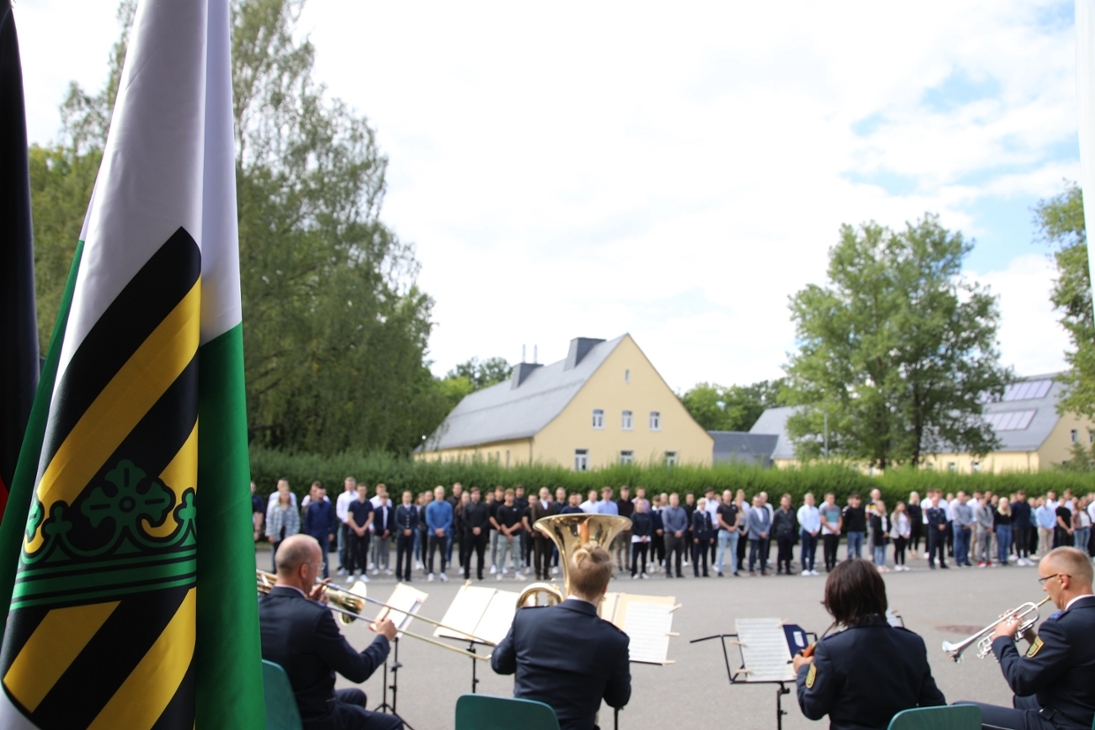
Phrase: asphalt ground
(694,691)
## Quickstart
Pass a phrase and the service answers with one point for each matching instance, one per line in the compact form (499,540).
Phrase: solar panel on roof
(1010,420)
(1027,390)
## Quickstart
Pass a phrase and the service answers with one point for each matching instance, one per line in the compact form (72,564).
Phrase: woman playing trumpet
(864,675)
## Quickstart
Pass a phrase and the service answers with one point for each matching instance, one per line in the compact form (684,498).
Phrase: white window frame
(598,419)
(952,467)
(672,458)
(655,421)
(1075,434)
(627,456)
(627,420)
(975,466)
(581,459)
(627,377)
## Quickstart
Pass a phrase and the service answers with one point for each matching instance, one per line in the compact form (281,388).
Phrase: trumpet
(349,605)
(1026,614)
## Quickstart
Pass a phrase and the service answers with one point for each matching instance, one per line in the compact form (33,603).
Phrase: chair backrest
(483,712)
(954,717)
(281,706)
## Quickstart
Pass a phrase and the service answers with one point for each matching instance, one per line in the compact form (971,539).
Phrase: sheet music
(764,650)
(409,600)
(608,607)
(498,616)
(465,612)
(648,626)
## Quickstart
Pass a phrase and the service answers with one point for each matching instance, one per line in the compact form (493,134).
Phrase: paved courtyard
(694,691)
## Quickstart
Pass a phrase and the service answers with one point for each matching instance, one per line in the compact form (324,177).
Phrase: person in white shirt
(342,513)
(590,505)
(381,529)
(809,521)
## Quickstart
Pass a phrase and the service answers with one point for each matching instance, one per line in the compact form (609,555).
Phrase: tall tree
(899,350)
(335,327)
(1060,223)
(736,408)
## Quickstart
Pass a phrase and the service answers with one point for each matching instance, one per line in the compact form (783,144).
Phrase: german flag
(144,427)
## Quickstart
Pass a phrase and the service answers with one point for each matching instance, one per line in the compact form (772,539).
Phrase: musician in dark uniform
(864,675)
(1054,680)
(299,634)
(567,656)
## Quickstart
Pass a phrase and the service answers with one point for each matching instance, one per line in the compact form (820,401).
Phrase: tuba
(570,532)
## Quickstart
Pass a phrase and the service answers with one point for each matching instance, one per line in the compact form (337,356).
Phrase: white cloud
(1031,346)
(672,171)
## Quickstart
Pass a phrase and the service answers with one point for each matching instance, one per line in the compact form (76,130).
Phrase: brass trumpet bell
(352,600)
(570,532)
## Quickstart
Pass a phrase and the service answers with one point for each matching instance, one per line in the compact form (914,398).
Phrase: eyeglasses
(1042,581)
(317,566)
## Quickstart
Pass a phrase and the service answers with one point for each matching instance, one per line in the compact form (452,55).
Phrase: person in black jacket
(406,529)
(299,634)
(785,529)
(566,655)
(642,528)
(870,671)
(1054,681)
(702,537)
(477,526)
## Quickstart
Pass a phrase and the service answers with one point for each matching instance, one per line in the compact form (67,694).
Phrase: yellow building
(1033,435)
(604,404)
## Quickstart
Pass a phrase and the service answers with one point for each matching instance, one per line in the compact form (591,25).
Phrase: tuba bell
(570,532)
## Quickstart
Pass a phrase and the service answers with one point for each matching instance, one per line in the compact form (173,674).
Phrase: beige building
(1033,435)
(604,404)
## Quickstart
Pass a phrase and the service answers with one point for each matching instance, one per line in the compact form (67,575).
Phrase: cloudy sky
(675,171)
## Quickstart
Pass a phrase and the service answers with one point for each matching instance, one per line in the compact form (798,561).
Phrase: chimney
(521,371)
(579,348)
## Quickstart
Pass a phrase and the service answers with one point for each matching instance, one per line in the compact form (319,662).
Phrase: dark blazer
(301,636)
(701,526)
(406,518)
(1061,672)
(567,657)
(642,524)
(865,675)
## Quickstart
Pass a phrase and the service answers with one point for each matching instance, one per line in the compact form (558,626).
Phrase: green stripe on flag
(13,528)
(228,670)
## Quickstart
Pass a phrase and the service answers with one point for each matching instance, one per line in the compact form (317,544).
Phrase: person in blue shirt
(439,519)
(607,505)
(675,524)
(319,521)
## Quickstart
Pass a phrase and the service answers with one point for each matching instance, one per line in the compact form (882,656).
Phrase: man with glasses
(1054,680)
(300,635)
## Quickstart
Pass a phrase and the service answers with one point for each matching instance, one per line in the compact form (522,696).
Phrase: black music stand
(394,686)
(735,677)
(474,666)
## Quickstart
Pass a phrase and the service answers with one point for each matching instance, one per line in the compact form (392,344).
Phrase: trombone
(1026,614)
(349,604)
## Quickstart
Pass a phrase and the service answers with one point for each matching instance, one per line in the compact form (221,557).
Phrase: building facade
(604,404)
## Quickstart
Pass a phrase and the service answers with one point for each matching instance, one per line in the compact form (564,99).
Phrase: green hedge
(267,466)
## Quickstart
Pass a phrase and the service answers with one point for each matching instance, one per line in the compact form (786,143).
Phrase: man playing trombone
(300,635)
(1054,681)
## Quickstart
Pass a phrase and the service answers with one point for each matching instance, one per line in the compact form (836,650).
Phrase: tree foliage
(482,373)
(899,350)
(335,327)
(1060,223)
(736,408)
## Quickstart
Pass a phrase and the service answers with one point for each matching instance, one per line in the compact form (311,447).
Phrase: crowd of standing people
(713,535)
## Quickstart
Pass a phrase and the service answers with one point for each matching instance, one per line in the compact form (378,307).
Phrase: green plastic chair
(281,705)
(953,717)
(483,712)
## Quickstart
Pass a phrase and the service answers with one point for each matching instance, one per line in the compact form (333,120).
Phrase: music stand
(480,616)
(409,600)
(741,676)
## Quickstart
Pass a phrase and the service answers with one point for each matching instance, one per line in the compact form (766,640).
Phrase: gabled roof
(1023,418)
(504,412)
(751,448)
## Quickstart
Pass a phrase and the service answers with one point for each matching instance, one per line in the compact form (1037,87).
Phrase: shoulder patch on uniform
(811,676)
(1035,647)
